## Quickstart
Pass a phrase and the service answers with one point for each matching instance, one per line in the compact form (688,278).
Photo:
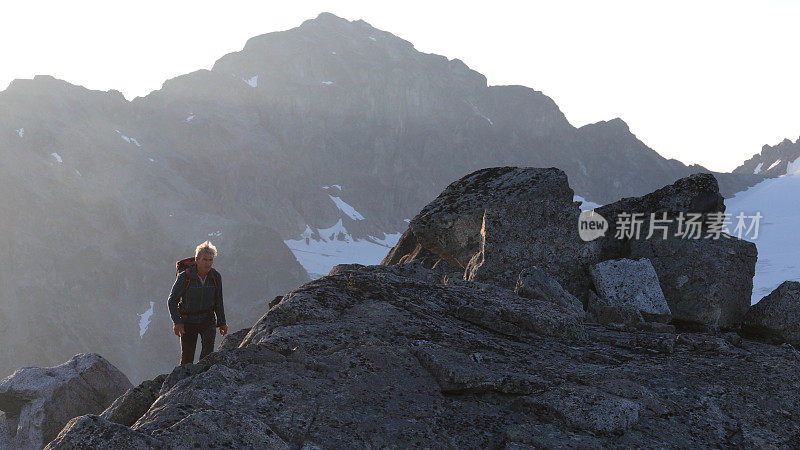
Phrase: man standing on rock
(195,302)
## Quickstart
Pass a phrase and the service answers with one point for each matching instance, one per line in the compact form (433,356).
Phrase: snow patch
(372,38)
(327,83)
(333,53)
(215,233)
(252,81)
(346,208)
(144,320)
(337,246)
(78,172)
(793,167)
(478,112)
(189,119)
(57,157)
(758,168)
(778,241)
(151,159)
(21,132)
(585,204)
(773,165)
(127,139)
(407,220)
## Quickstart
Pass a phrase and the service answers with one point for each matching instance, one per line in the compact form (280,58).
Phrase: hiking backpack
(182,266)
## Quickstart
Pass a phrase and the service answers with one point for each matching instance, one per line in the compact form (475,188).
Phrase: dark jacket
(198,299)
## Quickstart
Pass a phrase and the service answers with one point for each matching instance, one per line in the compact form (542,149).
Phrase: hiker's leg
(188,343)
(207,336)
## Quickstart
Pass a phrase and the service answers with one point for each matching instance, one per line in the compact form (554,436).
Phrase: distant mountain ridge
(103,194)
(773,161)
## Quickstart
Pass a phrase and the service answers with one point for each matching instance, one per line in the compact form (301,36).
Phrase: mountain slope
(103,195)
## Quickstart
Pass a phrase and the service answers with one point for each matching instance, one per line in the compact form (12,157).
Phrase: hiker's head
(204,256)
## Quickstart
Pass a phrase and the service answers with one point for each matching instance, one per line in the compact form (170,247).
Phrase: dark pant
(189,340)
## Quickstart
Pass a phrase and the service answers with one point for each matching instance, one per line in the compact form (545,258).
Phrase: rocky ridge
(408,355)
(773,160)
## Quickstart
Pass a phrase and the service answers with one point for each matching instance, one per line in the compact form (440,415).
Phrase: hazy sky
(705,82)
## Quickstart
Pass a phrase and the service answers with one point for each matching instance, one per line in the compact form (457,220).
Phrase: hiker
(195,302)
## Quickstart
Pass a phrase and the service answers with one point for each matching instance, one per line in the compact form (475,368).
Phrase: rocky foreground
(464,339)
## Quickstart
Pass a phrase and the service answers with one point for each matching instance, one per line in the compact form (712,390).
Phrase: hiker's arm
(219,308)
(174,296)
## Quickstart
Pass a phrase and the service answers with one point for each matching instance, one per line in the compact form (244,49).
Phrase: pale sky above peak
(704,82)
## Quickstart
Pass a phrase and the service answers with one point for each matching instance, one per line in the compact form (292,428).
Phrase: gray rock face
(38,402)
(380,356)
(590,409)
(537,284)
(95,432)
(705,281)
(523,234)
(130,406)
(631,283)
(777,316)
(450,226)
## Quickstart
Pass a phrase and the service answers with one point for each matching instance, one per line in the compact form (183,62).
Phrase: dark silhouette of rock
(776,317)
(130,406)
(37,402)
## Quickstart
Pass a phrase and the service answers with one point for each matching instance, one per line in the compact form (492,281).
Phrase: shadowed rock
(130,406)
(537,284)
(450,226)
(38,402)
(776,317)
(95,432)
(706,282)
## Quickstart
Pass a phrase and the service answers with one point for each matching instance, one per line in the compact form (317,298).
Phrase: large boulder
(496,222)
(777,316)
(449,227)
(527,233)
(38,402)
(707,282)
(631,283)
